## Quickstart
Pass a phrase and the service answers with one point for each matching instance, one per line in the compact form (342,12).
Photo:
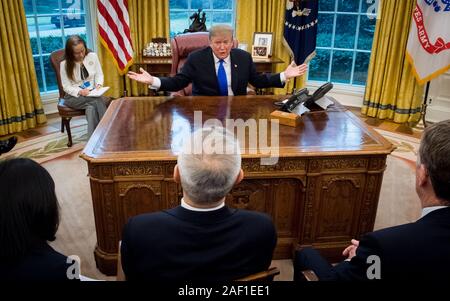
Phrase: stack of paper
(98,92)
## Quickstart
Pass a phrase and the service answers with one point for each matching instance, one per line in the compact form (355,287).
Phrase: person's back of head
(434,154)
(209,165)
(28,207)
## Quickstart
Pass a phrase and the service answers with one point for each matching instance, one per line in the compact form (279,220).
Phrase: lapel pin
(235,66)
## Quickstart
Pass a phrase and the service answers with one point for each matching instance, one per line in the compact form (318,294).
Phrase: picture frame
(260,52)
(263,39)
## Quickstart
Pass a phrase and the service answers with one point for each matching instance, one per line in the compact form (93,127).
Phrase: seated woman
(80,73)
(29,217)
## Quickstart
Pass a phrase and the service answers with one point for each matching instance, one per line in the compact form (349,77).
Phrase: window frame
(335,13)
(89,7)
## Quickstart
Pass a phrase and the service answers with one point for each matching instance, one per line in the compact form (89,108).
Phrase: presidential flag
(428,48)
(114,30)
(300,29)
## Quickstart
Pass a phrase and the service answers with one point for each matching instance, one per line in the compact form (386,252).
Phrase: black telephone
(303,96)
(318,94)
(295,99)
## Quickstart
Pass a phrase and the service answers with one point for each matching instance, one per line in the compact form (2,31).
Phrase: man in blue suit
(202,239)
(219,69)
(410,251)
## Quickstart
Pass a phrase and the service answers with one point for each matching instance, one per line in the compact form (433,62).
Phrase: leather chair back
(182,45)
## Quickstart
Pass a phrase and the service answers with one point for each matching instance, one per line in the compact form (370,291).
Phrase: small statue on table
(199,23)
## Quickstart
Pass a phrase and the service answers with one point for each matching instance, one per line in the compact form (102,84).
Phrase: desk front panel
(322,192)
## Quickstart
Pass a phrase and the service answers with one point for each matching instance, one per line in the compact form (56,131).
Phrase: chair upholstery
(182,45)
(267,275)
(64,111)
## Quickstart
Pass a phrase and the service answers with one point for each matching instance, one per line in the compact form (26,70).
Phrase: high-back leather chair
(64,111)
(182,45)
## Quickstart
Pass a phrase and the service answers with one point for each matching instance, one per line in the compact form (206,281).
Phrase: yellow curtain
(148,19)
(20,102)
(265,16)
(391,90)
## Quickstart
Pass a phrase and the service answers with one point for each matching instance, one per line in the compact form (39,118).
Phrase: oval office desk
(322,192)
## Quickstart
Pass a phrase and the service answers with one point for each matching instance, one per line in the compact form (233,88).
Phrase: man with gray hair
(419,250)
(202,239)
(219,69)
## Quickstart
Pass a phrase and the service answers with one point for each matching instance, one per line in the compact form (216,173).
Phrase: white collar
(189,207)
(427,210)
(227,60)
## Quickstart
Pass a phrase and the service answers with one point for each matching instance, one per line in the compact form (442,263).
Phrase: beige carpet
(76,235)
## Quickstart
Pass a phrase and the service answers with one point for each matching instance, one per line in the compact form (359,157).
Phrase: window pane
(345,31)
(196,4)
(37,66)
(324,30)
(47,6)
(318,68)
(361,67)
(366,32)
(222,4)
(28,6)
(326,5)
(50,37)
(179,21)
(341,68)
(72,5)
(348,5)
(180,4)
(223,18)
(369,6)
(49,74)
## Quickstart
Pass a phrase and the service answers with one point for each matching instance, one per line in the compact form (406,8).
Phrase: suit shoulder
(255,217)
(199,53)
(240,53)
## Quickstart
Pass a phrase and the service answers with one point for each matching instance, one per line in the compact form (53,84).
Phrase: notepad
(98,92)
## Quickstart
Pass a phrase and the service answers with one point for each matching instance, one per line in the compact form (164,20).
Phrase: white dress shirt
(427,210)
(189,207)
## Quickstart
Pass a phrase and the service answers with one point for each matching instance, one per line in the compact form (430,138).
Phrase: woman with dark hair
(80,73)
(29,217)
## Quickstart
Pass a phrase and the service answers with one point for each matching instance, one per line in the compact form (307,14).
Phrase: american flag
(114,30)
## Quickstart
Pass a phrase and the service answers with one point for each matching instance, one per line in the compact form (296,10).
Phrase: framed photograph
(260,52)
(263,39)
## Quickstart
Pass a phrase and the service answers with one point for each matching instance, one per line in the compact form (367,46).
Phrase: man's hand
(84,92)
(293,70)
(143,77)
(350,251)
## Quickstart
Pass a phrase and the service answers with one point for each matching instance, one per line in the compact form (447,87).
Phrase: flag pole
(424,104)
(125,92)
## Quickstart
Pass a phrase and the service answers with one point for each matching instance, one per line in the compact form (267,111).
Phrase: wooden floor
(54,123)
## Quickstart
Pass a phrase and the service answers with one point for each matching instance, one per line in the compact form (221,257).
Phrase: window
(49,23)
(344,41)
(216,11)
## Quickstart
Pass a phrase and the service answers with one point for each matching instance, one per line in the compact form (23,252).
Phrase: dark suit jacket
(41,264)
(181,245)
(419,250)
(200,70)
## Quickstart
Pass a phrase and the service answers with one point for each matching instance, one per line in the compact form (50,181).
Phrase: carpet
(49,146)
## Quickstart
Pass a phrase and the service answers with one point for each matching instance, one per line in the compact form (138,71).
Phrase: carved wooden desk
(322,193)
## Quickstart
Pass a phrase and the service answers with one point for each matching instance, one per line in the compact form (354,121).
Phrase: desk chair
(64,111)
(182,45)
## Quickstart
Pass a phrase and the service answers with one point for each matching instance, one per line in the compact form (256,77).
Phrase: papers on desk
(324,102)
(98,92)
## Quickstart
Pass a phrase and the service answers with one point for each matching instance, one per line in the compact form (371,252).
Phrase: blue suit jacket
(184,245)
(199,70)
